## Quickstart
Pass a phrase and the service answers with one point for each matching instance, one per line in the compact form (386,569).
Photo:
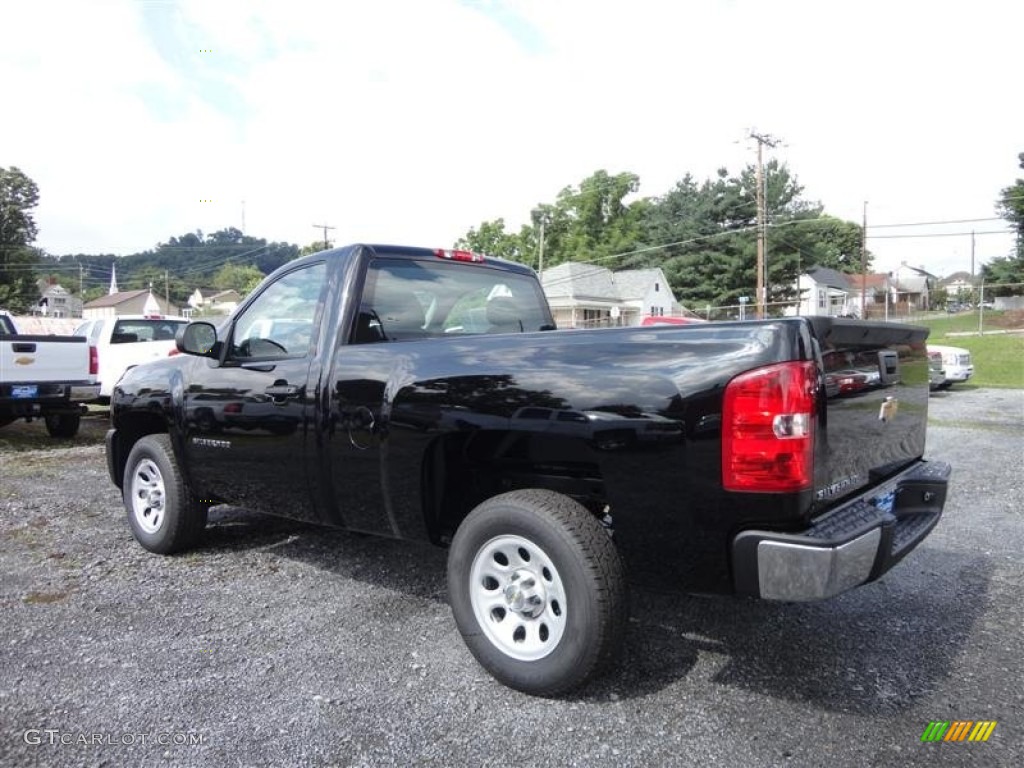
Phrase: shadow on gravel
(876,649)
(412,568)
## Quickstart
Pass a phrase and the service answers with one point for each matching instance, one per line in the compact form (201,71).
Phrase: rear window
(130,331)
(406,299)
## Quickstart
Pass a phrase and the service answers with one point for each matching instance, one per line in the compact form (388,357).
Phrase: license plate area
(24,391)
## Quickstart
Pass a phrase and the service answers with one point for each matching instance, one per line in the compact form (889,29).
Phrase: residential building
(877,293)
(823,291)
(56,301)
(214,301)
(139,302)
(959,286)
(587,295)
(912,288)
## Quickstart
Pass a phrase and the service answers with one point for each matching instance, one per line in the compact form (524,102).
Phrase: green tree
(492,239)
(709,232)
(1004,274)
(18,196)
(238,278)
(1011,207)
(315,247)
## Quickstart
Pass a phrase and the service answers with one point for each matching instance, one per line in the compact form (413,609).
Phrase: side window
(279,323)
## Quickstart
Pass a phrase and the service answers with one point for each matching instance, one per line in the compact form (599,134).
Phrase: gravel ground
(281,644)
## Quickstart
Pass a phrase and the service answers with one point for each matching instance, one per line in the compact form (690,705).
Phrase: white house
(586,295)
(127,303)
(214,301)
(825,292)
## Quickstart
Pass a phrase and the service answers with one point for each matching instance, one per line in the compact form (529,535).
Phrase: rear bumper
(849,546)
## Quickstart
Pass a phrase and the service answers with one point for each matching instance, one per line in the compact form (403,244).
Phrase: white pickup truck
(48,377)
(125,341)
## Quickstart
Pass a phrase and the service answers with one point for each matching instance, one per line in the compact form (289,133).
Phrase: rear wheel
(538,591)
(62,424)
(163,513)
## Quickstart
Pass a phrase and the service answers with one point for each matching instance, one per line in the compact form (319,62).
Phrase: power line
(945,234)
(935,223)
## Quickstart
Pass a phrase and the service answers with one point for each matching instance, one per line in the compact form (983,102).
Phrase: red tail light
(768,422)
(459,255)
(173,351)
(94,361)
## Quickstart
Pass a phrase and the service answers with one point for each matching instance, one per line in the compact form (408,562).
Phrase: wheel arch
(131,428)
(462,469)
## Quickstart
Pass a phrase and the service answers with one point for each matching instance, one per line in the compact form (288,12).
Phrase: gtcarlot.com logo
(958,730)
(52,736)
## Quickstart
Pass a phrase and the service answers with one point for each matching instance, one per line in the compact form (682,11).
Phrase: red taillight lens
(94,361)
(458,255)
(768,422)
(173,351)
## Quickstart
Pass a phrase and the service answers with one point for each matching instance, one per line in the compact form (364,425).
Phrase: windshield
(129,331)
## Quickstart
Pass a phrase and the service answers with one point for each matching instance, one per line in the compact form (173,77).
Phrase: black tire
(163,513)
(579,610)
(945,385)
(62,424)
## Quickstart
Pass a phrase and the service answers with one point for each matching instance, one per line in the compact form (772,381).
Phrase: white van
(956,364)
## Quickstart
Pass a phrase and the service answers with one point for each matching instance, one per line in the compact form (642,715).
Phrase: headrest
(503,310)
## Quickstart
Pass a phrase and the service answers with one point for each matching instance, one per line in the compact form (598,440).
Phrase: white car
(125,341)
(956,364)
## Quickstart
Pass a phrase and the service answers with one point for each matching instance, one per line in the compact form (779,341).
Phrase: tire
(62,424)
(163,513)
(538,591)
(945,385)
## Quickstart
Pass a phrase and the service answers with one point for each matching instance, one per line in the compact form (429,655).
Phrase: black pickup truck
(424,394)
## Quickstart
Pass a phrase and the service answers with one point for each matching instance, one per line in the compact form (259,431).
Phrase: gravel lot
(281,644)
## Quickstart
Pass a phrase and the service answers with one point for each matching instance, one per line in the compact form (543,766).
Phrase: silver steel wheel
(148,496)
(518,597)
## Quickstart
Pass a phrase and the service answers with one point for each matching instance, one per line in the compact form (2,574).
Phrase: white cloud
(412,121)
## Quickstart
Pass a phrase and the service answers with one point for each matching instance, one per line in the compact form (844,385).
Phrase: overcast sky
(410,122)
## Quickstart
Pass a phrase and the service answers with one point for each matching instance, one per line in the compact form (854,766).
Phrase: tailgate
(876,411)
(41,359)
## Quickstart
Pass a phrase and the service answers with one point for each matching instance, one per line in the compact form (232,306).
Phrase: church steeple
(113,280)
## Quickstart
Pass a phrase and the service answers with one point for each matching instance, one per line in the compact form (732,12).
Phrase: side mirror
(197,339)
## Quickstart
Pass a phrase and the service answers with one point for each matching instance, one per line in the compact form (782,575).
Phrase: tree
(18,196)
(315,247)
(1008,271)
(1011,207)
(238,278)
(492,239)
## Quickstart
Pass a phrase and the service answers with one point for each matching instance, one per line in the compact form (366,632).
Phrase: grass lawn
(998,357)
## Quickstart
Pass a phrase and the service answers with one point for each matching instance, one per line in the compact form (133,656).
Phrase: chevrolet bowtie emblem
(24,360)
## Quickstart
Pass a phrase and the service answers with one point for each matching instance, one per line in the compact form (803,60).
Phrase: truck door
(246,422)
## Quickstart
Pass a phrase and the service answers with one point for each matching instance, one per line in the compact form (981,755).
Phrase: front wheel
(538,591)
(163,514)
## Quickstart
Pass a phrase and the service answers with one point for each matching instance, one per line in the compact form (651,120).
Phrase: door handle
(281,391)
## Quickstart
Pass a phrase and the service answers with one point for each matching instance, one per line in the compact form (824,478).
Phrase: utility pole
(972,254)
(864,265)
(167,292)
(762,283)
(81,279)
(324,227)
(540,259)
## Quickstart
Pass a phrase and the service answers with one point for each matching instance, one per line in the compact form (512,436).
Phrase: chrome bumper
(848,546)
